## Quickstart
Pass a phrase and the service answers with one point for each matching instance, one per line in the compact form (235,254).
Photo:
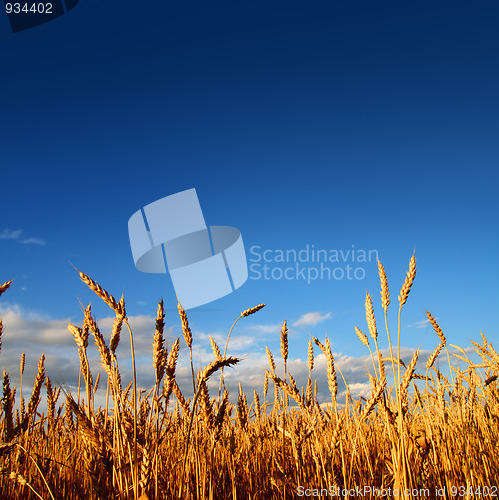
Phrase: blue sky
(373,124)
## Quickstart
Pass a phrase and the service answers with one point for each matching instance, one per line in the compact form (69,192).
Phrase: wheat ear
(4,287)
(244,314)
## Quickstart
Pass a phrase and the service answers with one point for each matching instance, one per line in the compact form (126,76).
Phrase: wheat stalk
(371,403)
(252,310)
(18,478)
(7,409)
(409,373)
(215,349)
(35,395)
(159,359)
(289,389)
(310,357)
(409,280)
(265,385)
(5,286)
(385,295)
(257,410)
(117,324)
(404,293)
(21,371)
(284,343)
(371,321)
(331,372)
(434,356)
(362,336)
(102,293)
(187,337)
(244,314)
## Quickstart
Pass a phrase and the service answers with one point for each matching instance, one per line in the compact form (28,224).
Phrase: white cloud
(312,319)
(24,328)
(34,241)
(420,324)
(266,328)
(33,334)
(237,343)
(7,234)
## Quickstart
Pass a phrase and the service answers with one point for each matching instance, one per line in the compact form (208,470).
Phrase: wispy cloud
(7,234)
(420,324)
(266,328)
(312,319)
(34,241)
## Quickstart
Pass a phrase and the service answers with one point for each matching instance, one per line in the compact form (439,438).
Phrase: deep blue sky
(330,123)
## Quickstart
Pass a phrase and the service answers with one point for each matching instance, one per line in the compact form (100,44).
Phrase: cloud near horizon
(34,334)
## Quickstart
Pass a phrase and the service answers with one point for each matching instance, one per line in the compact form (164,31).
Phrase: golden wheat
(139,449)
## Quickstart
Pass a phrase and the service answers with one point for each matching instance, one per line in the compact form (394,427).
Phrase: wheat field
(424,434)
